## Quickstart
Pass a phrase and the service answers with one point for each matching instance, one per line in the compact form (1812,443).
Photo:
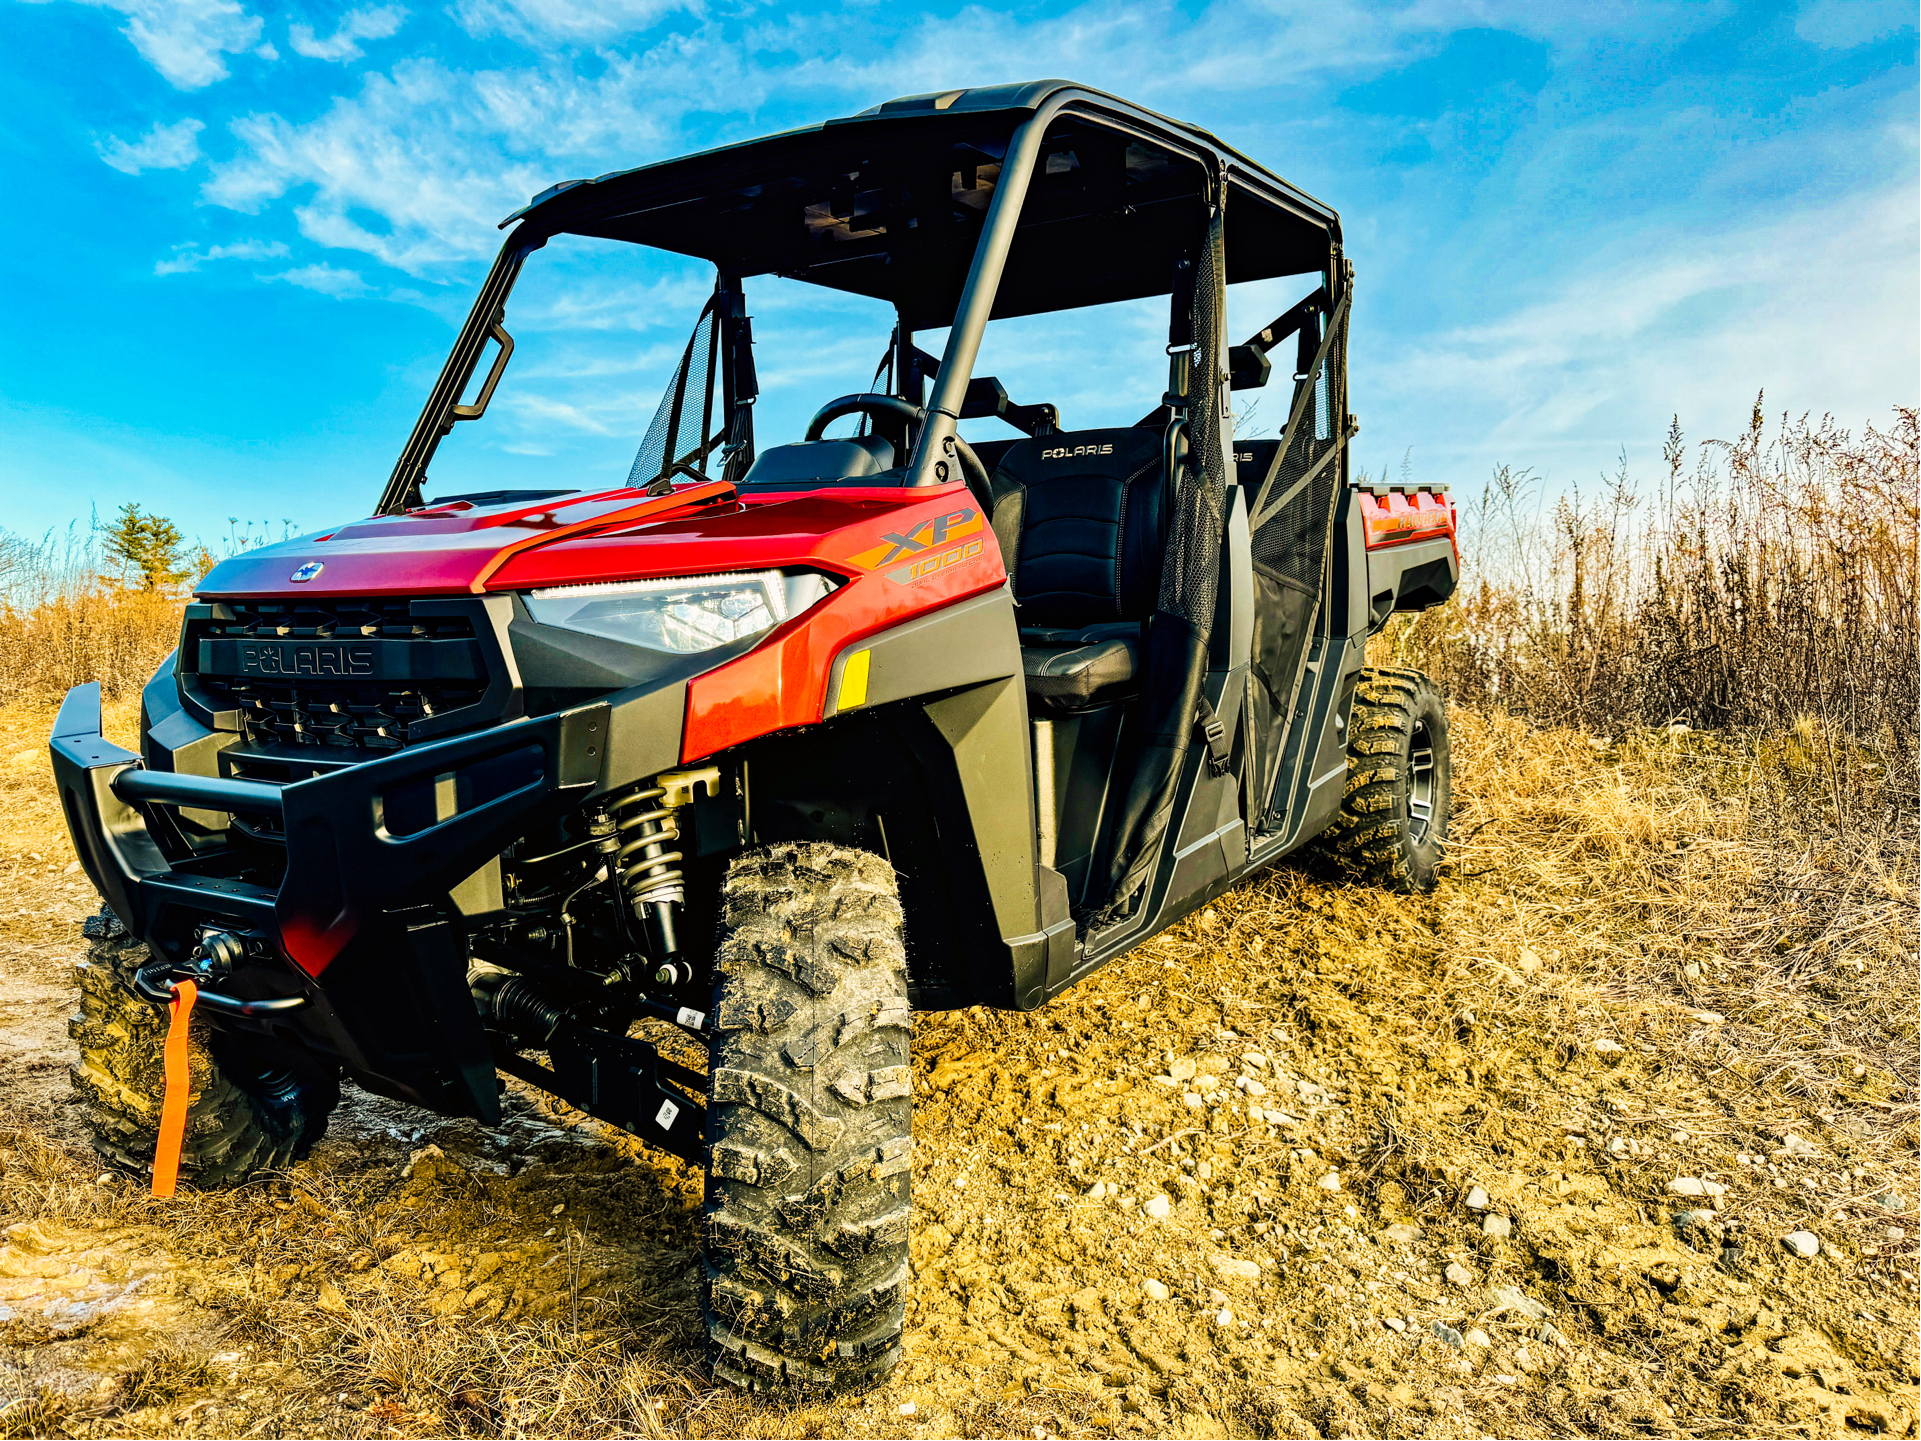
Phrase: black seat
(1071,670)
(1082,521)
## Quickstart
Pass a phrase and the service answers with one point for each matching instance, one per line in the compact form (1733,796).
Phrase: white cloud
(1843,24)
(376,23)
(1693,325)
(186,258)
(573,288)
(327,279)
(185,39)
(418,168)
(164,147)
(580,21)
(546,412)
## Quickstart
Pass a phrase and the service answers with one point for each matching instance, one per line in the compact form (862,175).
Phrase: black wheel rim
(1420,784)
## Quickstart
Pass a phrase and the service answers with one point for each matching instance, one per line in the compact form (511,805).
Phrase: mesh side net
(1291,519)
(1293,514)
(1190,576)
(1157,739)
(680,428)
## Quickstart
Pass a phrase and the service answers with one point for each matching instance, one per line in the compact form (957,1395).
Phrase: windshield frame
(932,460)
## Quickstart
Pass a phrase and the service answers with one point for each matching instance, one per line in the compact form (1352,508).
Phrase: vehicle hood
(622,534)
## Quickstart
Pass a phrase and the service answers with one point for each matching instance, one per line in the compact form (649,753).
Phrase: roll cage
(955,207)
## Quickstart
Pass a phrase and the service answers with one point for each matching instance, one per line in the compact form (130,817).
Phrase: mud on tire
(240,1119)
(1392,826)
(809,1123)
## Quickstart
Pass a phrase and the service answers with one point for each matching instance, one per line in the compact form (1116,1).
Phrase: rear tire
(809,1124)
(241,1119)
(1392,826)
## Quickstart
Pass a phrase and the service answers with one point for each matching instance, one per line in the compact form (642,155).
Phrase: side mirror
(1247,367)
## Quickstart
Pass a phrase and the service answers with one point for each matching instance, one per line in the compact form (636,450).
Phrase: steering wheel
(864,404)
(869,403)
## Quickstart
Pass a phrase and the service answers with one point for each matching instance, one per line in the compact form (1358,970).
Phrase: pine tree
(146,546)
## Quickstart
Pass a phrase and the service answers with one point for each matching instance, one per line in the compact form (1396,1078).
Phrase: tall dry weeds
(1768,586)
(1771,583)
(62,623)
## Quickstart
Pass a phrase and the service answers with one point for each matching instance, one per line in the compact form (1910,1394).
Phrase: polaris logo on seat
(1068,452)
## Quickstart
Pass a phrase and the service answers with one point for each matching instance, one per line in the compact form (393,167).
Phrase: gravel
(1154,1290)
(1232,1268)
(1501,1226)
(1695,1186)
(1448,1334)
(1402,1233)
(1513,1298)
(1458,1275)
(1330,1182)
(1476,1199)
(1158,1207)
(1803,1243)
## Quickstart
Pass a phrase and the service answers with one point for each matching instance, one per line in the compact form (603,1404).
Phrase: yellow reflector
(853,681)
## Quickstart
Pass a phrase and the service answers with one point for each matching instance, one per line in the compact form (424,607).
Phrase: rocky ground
(1613,1135)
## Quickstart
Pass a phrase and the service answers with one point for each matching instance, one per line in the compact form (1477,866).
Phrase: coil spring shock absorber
(647,824)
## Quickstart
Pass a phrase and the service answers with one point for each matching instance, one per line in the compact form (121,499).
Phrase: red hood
(463,549)
(902,552)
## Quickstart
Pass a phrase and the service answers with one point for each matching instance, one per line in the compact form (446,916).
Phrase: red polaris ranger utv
(778,745)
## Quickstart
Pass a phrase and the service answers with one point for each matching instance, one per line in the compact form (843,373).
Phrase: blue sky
(244,231)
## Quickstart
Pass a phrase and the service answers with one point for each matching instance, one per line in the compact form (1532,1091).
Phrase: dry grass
(62,623)
(1770,583)
(1659,952)
(164,1374)
(1674,894)
(116,637)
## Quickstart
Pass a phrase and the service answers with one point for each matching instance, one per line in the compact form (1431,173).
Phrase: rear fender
(1410,535)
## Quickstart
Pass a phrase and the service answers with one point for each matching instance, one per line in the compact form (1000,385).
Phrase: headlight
(684,614)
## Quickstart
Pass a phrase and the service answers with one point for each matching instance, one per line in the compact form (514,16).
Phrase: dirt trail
(1319,1162)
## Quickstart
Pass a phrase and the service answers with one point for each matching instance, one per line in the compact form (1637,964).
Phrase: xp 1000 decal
(930,546)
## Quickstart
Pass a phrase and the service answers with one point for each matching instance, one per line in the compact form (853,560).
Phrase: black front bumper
(362,926)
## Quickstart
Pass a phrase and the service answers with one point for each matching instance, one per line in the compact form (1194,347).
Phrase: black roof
(889,203)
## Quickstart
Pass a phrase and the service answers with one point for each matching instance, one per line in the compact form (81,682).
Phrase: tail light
(1395,516)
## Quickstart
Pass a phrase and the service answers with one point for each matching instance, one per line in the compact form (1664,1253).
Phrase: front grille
(361,674)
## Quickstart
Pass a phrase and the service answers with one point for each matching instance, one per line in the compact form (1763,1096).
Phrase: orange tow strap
(173,1107)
